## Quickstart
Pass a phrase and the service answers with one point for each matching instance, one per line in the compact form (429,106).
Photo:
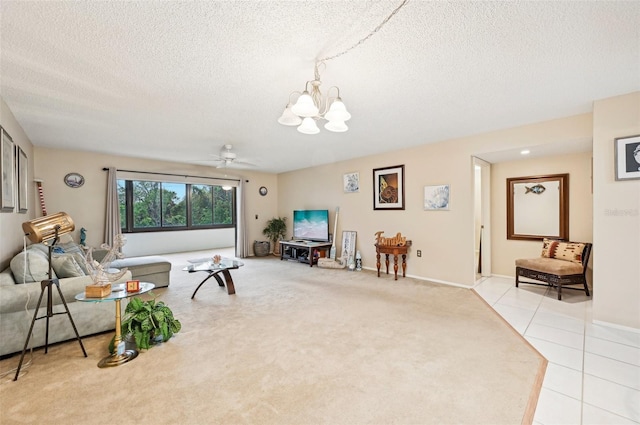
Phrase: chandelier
(312,106)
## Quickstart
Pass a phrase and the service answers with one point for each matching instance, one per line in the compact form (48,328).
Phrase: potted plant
(276,229)
(148,322)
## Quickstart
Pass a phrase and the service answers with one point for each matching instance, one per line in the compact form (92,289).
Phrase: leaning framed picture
(348,244)
(8,171)
(627,157)
(436,198)
(22,180)
(388,188)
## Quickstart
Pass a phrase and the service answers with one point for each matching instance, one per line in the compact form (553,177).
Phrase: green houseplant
(147,322)
(276,229)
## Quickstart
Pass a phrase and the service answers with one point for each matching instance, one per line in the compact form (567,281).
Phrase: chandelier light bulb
(288,117)
(305,107)
(337,112)
(336,126)
(308,126)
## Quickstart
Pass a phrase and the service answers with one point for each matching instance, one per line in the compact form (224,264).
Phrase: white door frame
(485,213)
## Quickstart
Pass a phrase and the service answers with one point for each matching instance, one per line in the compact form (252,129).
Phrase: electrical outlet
(419,253)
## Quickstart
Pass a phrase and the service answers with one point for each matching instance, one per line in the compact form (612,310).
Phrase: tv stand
(304,251)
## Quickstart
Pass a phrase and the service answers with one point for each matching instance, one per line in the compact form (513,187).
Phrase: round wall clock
(74,180)
(262,190)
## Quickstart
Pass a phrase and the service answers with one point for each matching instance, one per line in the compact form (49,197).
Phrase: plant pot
(261,248)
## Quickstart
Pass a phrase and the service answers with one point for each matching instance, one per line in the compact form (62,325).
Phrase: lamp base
(118,359)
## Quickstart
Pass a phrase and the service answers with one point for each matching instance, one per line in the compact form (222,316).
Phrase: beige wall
(446,238)
(11,234)
(86,204)
(616,216)
(578,166)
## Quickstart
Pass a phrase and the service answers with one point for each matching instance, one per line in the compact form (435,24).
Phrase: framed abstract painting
(388,188)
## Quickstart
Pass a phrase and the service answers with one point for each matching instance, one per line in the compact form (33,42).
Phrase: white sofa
(18,300)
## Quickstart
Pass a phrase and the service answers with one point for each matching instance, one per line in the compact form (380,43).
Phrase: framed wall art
(627,157)
(23,187)
(7,169)
(436,198)
(388,188)
(74,180)
(351,182)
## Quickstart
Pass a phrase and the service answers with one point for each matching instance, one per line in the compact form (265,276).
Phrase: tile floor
(593,375)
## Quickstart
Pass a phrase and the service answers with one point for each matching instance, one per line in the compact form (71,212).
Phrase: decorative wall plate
(262,190)
(74,180)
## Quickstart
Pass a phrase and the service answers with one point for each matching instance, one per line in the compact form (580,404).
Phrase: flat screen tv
(311,225)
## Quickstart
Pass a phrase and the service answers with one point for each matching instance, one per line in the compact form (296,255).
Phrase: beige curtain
(112,216)
(242,244)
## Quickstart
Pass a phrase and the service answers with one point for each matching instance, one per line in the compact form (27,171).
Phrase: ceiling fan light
(288,117)
(337,111)
(305,107)
(336,126)
(308,126)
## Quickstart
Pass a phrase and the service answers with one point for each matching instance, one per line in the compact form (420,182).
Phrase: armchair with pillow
(561,263)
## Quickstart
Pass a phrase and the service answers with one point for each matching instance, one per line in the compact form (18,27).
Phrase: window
(159,206)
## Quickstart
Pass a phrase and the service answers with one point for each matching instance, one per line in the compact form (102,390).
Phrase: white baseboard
(616,326)
(444,282)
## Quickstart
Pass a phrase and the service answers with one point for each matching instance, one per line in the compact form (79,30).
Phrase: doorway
(482,218)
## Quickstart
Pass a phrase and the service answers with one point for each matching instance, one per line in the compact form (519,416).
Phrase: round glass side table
(118,293)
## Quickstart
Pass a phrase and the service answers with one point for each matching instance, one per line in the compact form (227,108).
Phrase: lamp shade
(289,118)
(305,107)
(337,112)
(44,228)
(336,126)
(308,126)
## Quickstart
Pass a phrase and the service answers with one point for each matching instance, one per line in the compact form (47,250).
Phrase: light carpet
(295,345)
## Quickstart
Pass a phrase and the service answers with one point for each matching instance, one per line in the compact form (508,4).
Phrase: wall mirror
(538,207)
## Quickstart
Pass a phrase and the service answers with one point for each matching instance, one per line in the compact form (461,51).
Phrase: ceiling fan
(227,158)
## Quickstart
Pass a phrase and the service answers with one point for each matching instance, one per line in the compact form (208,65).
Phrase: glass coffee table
(118,293)
(215,270)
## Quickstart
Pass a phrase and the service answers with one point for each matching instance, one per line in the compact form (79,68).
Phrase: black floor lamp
(48,229)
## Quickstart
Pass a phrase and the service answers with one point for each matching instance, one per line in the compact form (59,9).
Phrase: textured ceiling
(178,80)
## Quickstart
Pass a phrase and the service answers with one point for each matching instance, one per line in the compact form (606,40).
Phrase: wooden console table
(395,251)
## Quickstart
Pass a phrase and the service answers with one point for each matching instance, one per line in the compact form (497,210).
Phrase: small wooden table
(395,251)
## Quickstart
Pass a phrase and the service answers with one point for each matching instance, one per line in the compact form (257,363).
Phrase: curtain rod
(175,175)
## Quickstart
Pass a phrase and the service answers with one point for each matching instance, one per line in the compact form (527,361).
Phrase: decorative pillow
(69,247)
(30,266)
(39,247)
(66,266)
(79,258)
(568,251)
(82,262)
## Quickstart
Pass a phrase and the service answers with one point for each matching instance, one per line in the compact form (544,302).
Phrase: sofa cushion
(65,265)
(550,265)
(141,266)
(30,266)
(567,251)
(6,278)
